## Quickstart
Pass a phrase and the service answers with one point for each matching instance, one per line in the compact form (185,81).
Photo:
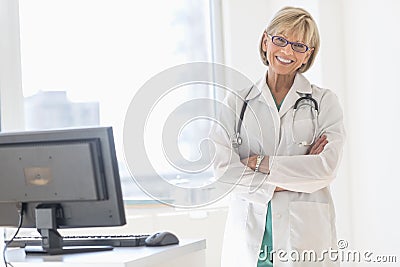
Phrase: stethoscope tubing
(237,139)
(306,97)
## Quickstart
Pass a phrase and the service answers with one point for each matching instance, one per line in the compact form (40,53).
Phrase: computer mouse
(161,239)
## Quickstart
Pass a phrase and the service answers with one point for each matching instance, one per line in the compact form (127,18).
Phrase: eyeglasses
(282,42)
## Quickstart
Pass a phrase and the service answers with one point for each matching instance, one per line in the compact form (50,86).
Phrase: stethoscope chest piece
(236,140)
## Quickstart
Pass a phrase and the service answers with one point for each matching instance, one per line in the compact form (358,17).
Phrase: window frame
(11,97)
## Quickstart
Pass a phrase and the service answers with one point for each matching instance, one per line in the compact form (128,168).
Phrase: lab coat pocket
(255,224)
(233,245)
(237,215)
(310,225)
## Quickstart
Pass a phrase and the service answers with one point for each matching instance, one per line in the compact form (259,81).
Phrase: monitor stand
(52,241)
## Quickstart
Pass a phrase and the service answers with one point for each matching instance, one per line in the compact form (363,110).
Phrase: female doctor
(287,156)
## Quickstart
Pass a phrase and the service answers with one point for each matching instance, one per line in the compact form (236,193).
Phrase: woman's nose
(287,50)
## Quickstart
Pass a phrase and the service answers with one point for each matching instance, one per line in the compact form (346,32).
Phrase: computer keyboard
(97,240)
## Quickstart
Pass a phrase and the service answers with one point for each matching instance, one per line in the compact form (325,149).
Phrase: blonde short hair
(294,20)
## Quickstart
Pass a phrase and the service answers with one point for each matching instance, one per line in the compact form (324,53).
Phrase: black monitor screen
(52,171)
(75,170)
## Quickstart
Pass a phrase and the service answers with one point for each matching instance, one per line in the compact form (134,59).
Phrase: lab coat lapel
(263,94)
(300,86)
(264,97)
(267,97)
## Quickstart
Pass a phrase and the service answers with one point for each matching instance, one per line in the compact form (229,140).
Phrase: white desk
(187,253)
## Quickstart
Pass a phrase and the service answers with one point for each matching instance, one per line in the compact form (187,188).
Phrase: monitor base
(39,250)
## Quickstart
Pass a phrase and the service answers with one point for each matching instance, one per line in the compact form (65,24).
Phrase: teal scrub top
(266,245)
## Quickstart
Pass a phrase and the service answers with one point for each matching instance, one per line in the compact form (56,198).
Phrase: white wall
(372,59)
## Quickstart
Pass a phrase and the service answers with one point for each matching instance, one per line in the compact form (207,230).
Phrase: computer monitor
(65,178)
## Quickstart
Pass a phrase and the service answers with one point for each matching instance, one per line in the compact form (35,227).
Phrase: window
(83,60)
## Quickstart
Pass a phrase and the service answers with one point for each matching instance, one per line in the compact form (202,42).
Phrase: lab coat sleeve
(228,169)
(309,173)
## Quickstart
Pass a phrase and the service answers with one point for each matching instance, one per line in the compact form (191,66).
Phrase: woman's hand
(252,161)
(318,146)
(279,189)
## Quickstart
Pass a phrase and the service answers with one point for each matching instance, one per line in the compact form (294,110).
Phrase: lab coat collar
(261,91)
(256,90)
(300,87)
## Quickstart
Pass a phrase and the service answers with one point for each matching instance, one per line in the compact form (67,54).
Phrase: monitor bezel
(76,214)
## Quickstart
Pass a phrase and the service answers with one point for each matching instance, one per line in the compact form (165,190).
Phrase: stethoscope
(307,99)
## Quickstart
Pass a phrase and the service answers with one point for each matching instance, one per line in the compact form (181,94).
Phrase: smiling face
(295,25)
(284,60)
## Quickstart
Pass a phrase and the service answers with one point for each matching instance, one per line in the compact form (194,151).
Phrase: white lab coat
(303,218)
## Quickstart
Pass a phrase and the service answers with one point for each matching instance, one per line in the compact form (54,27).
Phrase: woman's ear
(264,42)
(307,57)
